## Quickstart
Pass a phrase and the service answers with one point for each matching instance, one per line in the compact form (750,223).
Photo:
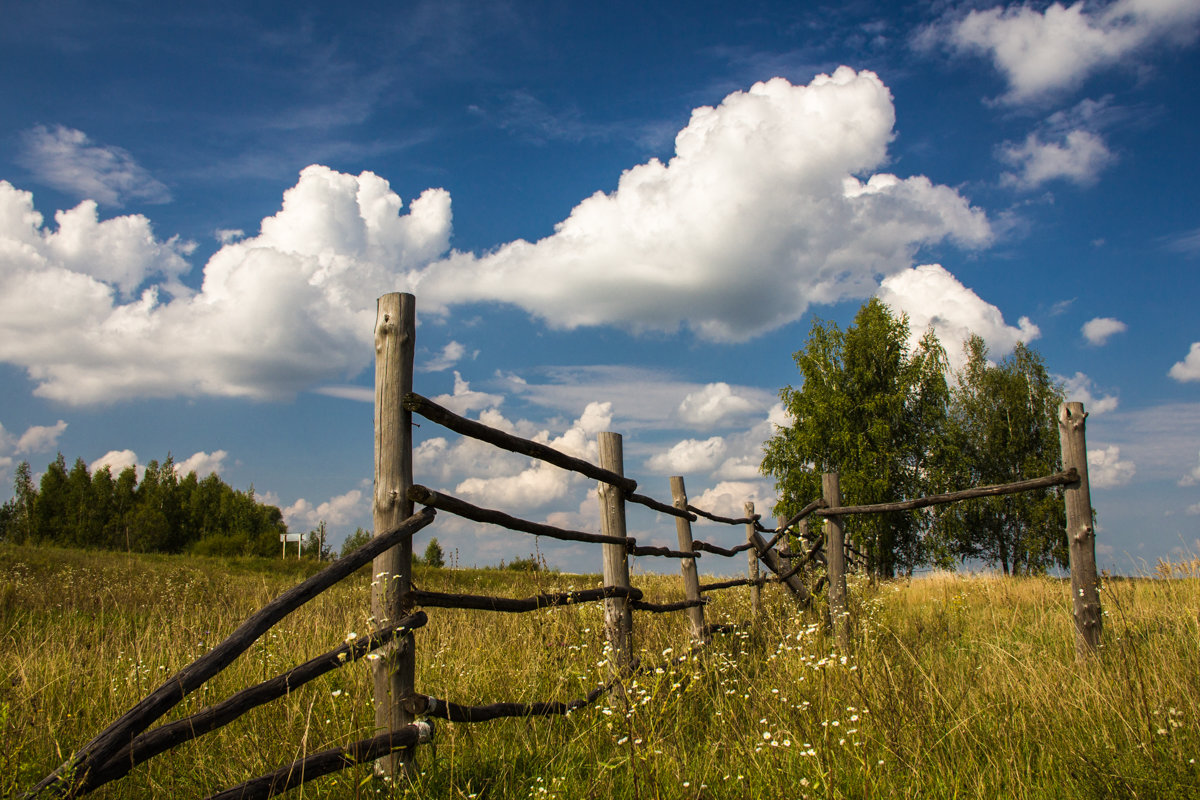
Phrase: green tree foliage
(161,513)
(355,541)
(434,557)
(1001,428)
(869,410)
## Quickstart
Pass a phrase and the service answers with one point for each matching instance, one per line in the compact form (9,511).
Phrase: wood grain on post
(1081,532)
(752,554)
(691,579)
(835,554)
(618,614)
(394,671)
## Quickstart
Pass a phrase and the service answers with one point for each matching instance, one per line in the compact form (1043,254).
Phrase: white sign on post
(291,537)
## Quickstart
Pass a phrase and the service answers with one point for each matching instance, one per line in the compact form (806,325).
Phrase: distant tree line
(162,512)
(896,423)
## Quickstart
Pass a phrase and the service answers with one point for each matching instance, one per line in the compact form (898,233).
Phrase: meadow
(956,686)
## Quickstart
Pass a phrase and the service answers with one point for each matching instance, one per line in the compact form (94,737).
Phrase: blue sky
(614,217)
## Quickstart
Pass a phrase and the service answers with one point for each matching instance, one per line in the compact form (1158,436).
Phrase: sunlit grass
(956,686)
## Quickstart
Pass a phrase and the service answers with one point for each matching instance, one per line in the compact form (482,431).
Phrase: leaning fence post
(1081,533)
(835,557)
(691,580)
(753,555)
(394,671)
(618,611)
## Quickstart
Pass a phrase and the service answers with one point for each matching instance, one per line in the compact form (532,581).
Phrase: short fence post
(1081,533)
(691,580)
(618,611)
(835,557)
(753,555)
(394,671)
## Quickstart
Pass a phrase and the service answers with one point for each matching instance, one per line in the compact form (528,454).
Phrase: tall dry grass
(957,686)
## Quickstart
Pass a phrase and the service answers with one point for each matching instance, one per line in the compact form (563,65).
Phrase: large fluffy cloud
(276,313)
(759,214)
(932,296)
(1042,52)
(1078,156)
(768,205)
(1107,470)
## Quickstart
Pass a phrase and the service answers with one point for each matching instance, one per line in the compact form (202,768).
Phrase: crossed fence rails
(127,742)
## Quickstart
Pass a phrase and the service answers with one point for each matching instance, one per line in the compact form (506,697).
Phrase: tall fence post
(618,612)
(691,579)
(835,556)
(1081,532)
(394,671)
(753,555)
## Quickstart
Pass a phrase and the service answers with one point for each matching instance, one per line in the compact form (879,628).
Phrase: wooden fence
(402,715)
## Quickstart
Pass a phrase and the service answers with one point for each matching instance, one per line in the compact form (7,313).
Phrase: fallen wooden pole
(425,705)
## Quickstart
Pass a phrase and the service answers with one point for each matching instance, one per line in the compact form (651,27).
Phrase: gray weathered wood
(691,579)
(753,556)
(835,553)
(771,558)
(618,615)
(518,605)
(1081,532)
(394,671)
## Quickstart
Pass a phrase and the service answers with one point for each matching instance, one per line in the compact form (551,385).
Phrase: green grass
(955,687)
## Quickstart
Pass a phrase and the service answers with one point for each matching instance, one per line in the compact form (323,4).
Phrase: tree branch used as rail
(727,520)
(1057,479)
(804,512)
(514,605)
(328,761)
(100,750)
(658,505)
(659,608)
(514,444)
(424,705)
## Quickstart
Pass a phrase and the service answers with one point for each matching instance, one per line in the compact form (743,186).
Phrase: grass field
(955,687)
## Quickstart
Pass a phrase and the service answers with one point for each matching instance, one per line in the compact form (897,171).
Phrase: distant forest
(162,513)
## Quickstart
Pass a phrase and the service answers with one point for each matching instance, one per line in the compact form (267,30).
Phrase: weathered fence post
(753,555)
(618,612)
(691,579)
(1081,533)
(835,557)
(395,344)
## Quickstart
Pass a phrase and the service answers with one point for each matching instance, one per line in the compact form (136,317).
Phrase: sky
(614,216)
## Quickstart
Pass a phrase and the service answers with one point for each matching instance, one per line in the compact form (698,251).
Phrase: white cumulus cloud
(1081,389)
(1106,468)
(275,314)
(689,456)
(339,510)
(1078,156)
(447,358)
(758,215)
(117,461)
(930,295)
(464,399)
(1189,368)
(202,463)
(713,404)
(67,159)
(1042,52)
(1098,331)
(728,499)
